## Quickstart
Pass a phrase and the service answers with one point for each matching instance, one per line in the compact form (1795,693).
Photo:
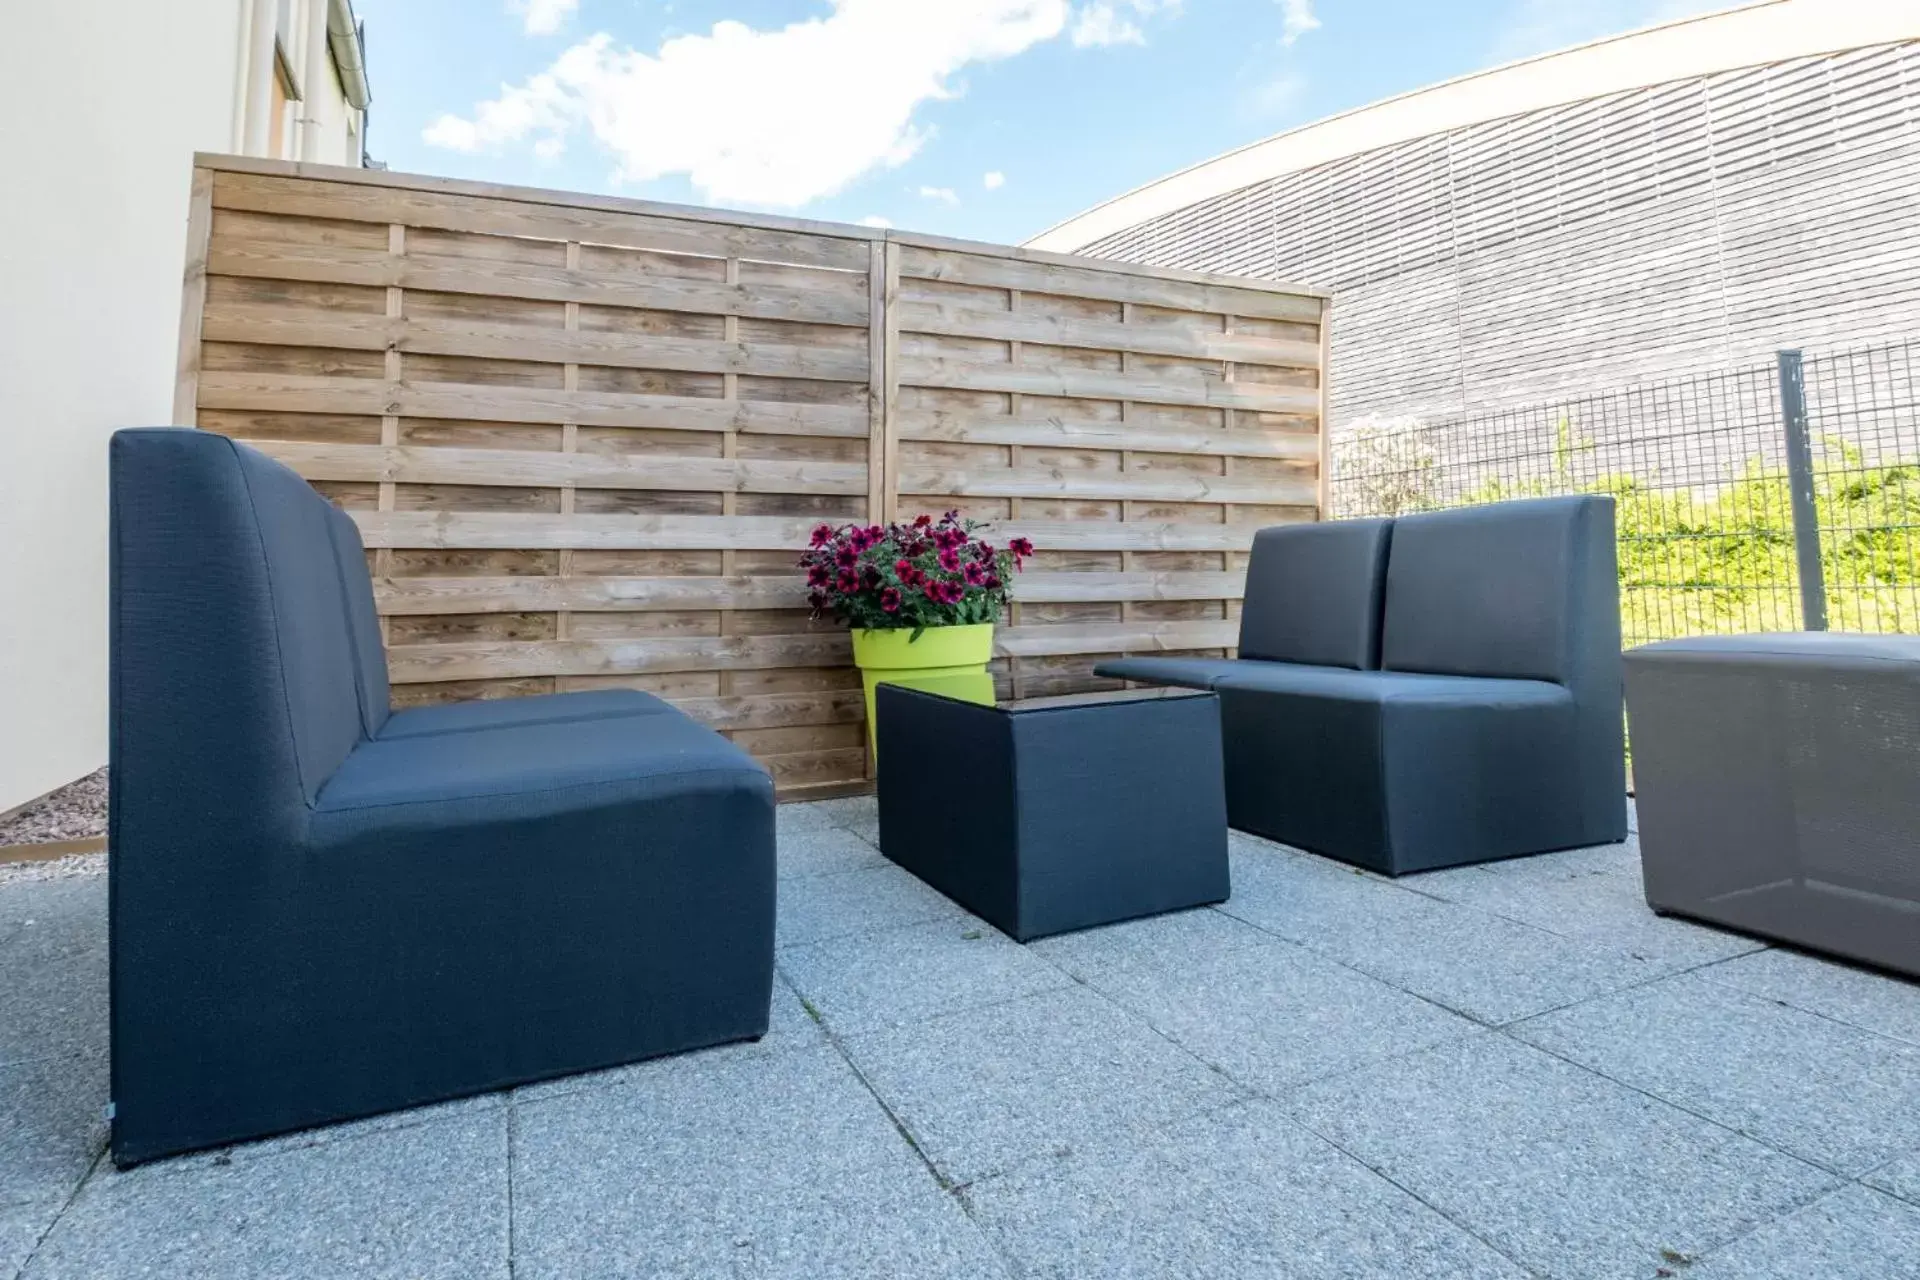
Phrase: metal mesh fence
(1702,473)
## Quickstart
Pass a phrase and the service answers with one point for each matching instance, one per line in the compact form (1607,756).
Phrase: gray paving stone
(814,851)
(1854,1233)
(1241,1192)
(411,1203)
(1833,989)
(1831,1094)
(858,814)
(782,1165)
(985,1089)
(910,974)
(1899,1177)
(1276,1016)
(815,908)
(21,1227)
(53,1001)
(789,1027)
(788,818)
(50,901)
(52,1128)
(1542,868)
(1596,903)
(1485,966)
(1569,1173)
(391,1121)
(1155,939)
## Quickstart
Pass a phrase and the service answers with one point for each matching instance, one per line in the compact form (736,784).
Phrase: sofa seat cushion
(1399,688)
(501,713)
(1188,673)
(528,771)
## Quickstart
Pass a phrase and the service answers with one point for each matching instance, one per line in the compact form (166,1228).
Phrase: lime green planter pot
(948,660)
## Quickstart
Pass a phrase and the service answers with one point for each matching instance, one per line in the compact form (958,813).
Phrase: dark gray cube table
(1056,814)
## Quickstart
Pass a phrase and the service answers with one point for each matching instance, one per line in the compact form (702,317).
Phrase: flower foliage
(930,573)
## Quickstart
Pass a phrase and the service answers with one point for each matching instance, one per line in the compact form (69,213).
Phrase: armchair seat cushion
(536,769)
(496,713)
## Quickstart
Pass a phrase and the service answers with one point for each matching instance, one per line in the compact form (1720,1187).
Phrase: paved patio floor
(1506,1071)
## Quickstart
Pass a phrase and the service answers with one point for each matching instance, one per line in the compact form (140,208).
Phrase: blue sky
(990,119)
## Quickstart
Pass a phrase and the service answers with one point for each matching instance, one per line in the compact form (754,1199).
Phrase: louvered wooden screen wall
(584,438)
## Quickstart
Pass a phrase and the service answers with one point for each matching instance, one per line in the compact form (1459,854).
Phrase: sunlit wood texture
(1137,426)
(584,438)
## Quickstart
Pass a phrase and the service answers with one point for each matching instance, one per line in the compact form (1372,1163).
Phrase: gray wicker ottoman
(1778,782)
(1056,814)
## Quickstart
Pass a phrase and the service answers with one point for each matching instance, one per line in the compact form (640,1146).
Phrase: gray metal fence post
(1806,516)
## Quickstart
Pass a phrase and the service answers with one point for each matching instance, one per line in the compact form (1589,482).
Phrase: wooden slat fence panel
(585,438)
(1138,428)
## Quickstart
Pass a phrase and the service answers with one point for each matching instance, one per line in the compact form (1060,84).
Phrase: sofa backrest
(234,656)
(1525,590)
(363,622)
(1313,594)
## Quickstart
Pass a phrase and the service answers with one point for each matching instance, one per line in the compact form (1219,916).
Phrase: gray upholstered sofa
(321,909)
(1422,692)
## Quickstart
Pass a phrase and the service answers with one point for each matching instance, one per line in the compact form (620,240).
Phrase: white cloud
(543,17)
(993,180)
(945,195)
(875,220)
(774,118)
(1296,19)
(1109,22)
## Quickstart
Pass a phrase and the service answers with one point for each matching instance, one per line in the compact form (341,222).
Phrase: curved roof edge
(1751,35)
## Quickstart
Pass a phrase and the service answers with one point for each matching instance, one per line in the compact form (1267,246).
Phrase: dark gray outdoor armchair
(321,910)
(1775,777)
(1434,690)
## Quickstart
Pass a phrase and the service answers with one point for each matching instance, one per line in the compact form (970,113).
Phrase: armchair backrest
(245,655)
(1313,594)
(1526,590)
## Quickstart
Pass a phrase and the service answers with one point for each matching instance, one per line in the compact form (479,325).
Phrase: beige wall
(99,121)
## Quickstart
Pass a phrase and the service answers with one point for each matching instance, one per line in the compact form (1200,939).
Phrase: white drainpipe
(312,78)
(260,74)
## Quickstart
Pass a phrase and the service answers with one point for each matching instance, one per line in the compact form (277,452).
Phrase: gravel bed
(67,868)
(76,811)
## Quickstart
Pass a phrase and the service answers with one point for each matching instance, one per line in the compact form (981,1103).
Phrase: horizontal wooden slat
(402,464)
(446,211)
(1114,637)
(1139,437)
(480,277)
(1167,486)
(1113,286)
(1158,388)
(777,711)
(1059,331)
(274,325)
(507,530)
(491,529)
(492,660)
(311,393)
(1036,587)
(408,596)
(400,596)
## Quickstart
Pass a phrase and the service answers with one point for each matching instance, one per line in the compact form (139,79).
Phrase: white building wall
(99,121)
